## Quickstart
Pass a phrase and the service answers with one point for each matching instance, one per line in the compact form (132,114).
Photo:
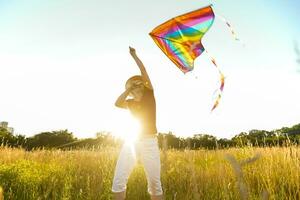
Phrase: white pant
(145,149)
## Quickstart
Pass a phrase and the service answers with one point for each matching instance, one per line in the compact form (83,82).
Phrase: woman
(142,105)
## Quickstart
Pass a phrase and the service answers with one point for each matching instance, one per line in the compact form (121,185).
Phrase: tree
(6,138)
(50,139)
(204,141)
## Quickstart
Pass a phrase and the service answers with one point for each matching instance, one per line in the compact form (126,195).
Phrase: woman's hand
(132,51)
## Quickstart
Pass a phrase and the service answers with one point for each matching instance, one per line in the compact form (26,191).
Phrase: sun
(126,127)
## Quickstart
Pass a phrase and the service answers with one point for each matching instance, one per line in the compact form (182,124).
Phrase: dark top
(145,111)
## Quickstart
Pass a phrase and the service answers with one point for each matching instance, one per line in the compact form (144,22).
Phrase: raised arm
(121,101)
(144,73)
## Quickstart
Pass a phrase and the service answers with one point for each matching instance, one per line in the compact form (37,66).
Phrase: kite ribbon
(222,82)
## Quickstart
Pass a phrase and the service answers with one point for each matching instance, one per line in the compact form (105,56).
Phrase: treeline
(281,137)
(64,139)
(56,139)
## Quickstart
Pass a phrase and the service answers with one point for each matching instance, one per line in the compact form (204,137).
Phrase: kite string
(222,82)
(234,35)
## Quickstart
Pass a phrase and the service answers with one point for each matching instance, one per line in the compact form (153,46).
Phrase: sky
(63,63)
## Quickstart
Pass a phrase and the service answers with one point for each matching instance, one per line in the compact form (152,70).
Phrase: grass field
(273,173)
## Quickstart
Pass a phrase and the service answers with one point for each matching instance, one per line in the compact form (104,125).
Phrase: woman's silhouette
(142,105)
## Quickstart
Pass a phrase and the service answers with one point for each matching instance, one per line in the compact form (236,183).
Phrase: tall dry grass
(236,173)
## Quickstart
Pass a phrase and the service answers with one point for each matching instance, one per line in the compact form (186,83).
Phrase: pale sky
(63,63)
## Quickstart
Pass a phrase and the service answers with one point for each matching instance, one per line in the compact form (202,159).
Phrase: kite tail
(222,82)
(234,35)
(216,102)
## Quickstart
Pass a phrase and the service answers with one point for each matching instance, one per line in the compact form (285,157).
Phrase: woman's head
(137,87)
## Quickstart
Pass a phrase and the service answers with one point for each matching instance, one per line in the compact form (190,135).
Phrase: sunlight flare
(127,128)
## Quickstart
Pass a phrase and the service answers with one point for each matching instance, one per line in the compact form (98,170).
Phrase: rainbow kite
(180,39)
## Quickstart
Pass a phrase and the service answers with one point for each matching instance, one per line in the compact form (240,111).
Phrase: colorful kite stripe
(180,37)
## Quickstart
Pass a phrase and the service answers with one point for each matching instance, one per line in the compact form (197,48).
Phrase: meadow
(234,173)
